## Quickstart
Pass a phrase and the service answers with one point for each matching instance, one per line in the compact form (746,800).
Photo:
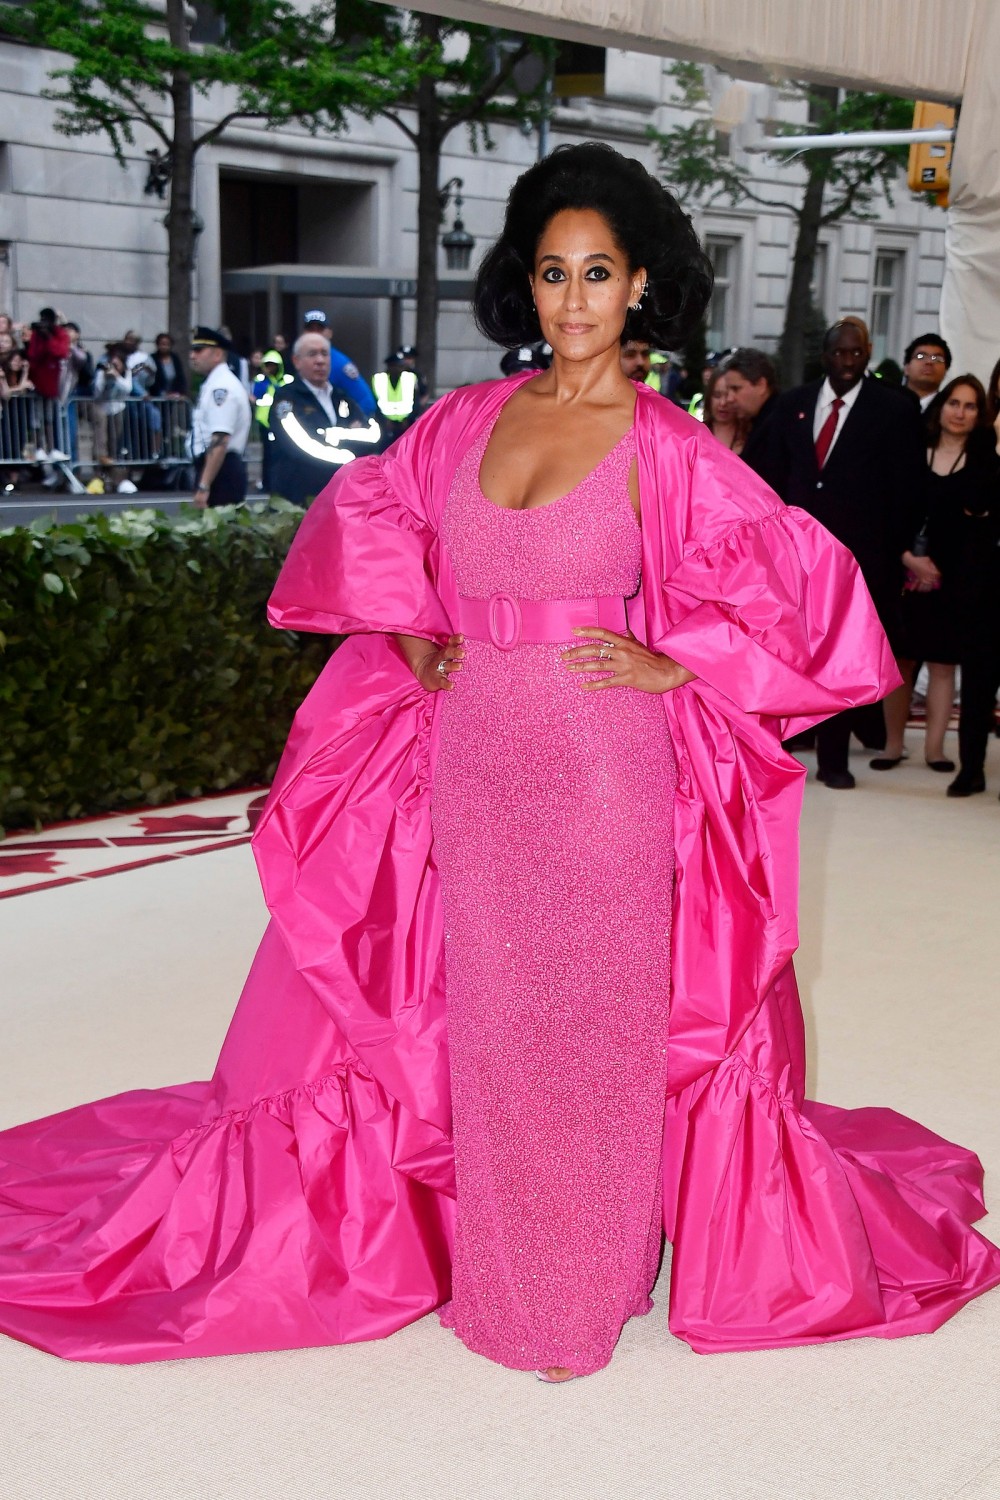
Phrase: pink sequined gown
(553,835)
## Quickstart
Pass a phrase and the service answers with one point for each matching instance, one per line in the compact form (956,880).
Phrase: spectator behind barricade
(280,343)
(720,414)
(170,378)
(925,364)
(48,347)
(344,373)
(112,387)
(76,385)
(7,345)
(752,382)
(15,414)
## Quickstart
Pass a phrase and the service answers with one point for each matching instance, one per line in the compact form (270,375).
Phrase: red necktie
(827,431)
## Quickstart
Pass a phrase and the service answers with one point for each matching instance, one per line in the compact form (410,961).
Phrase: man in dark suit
(849,450)
(752,383)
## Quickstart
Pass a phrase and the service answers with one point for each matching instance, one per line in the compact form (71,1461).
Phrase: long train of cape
(303,1195)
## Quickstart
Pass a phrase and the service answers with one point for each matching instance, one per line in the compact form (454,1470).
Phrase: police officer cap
(524,358)
(209,338)
(396,357)
(408,351)
(315,315)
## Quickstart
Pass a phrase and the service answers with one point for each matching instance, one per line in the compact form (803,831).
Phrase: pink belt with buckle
(507,622)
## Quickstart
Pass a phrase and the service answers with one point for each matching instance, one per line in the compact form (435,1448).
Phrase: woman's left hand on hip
(610,661)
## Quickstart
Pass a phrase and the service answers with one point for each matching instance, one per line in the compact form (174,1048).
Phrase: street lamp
(458,242)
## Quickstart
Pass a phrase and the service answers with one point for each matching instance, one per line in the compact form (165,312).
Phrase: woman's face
(582,285)
(15,364)
(960,412)
(722,406)
(6,343)
(6,326)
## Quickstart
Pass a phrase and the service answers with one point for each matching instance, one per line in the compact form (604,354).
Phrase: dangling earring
(635,306)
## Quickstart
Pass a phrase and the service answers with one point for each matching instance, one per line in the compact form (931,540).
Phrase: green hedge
(136,662)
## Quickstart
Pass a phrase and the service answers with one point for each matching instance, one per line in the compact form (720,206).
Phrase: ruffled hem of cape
(150,1226)
(808,1223)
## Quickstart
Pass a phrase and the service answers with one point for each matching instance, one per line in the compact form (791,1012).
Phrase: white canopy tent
(922,49)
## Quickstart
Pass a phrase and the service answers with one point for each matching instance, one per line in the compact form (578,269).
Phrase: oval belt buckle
(503,616)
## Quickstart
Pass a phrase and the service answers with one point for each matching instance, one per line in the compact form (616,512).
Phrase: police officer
(342,372)
(221,424)
(314,427)
(397,393)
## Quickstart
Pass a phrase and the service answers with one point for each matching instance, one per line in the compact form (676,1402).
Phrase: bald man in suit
(849,450)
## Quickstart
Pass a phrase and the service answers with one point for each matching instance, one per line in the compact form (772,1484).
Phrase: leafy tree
(449,74)
(128,67)
(279,62)
(695,160)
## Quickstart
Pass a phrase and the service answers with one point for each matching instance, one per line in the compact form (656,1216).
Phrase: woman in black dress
(961,468)
(979,657)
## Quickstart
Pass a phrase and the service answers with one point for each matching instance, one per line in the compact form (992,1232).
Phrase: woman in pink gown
(536,810)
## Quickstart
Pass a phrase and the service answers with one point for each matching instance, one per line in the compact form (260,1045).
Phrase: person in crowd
(721,416)
(76,385)
(17,379)
(306,411)
(449,1079)
(925,364)
(7,326)
(752,382)
(170,377)
(270,378)
(526,357)
(112,389)
(236,361)
(343,372)
(961,480)
(16,416)
(411,361)
(397,395)
(850,452)
(221,422)
(7,345)
(636,360)
(280,343)
(48,349)
(978,590)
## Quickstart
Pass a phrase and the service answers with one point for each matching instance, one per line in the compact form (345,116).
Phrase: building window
(887,297)
(720,317)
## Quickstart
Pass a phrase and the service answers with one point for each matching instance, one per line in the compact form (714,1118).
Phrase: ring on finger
(442,666)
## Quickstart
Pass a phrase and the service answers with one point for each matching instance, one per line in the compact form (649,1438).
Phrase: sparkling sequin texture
(553,835)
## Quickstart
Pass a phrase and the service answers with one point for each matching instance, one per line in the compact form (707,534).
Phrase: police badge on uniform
(219,395)
(352,372)
(282,409)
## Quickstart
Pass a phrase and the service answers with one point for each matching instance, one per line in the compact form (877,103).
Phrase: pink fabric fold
(302,1197)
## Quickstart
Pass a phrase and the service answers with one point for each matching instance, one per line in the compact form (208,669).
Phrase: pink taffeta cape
(303,1195)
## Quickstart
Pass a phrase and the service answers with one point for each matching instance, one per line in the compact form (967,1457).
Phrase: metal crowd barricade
(115,439)
(33,430)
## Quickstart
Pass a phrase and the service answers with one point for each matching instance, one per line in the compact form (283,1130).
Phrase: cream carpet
(130,980)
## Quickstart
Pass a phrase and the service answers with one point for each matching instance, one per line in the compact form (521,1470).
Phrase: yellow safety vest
(263,403)
(395,402)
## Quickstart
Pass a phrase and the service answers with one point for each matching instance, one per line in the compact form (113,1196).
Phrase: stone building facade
(292,221)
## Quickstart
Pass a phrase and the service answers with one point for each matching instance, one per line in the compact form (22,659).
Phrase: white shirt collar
(828,395)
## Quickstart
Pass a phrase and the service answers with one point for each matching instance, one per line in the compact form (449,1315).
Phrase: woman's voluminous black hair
(648,225)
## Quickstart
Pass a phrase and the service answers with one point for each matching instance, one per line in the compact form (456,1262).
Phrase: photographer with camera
(48,350)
